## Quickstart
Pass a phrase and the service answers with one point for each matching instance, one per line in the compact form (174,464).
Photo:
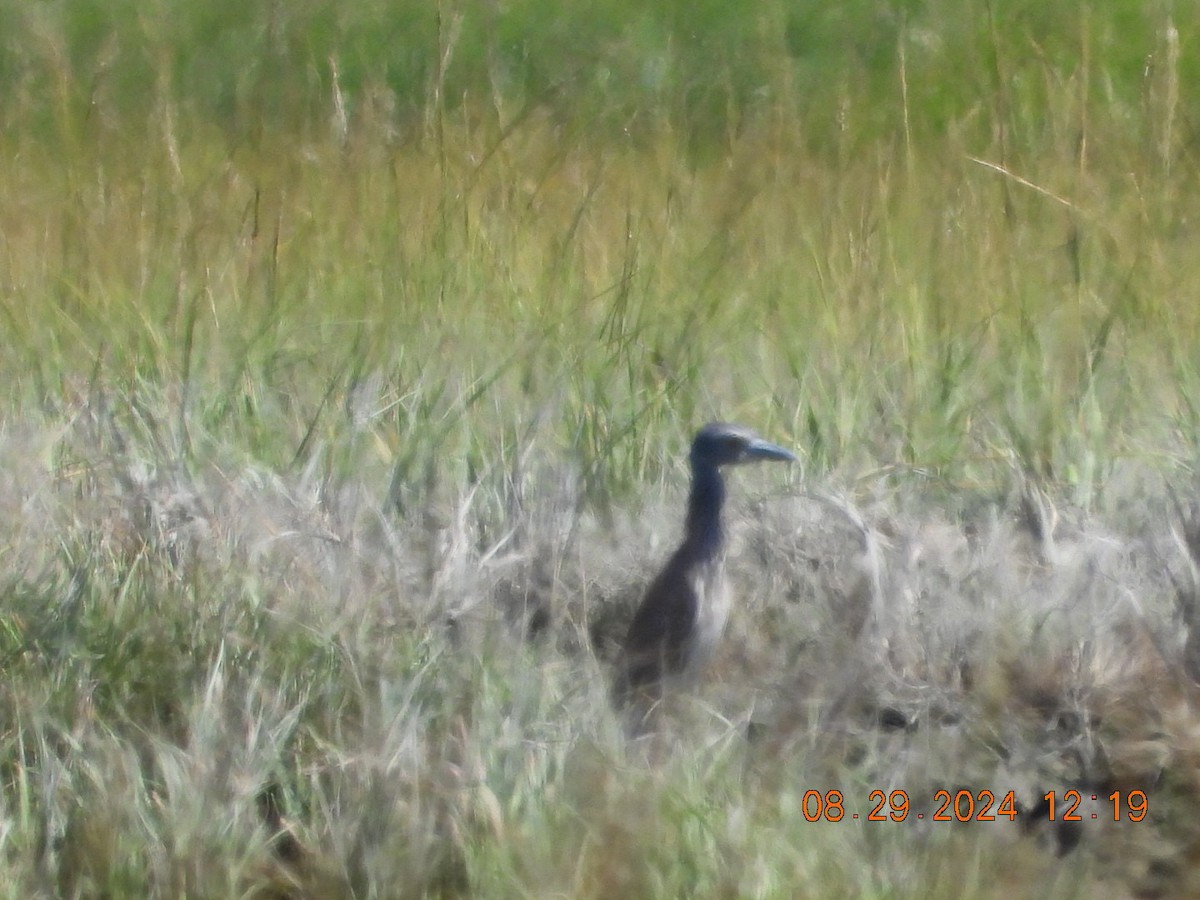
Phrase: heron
(675,631)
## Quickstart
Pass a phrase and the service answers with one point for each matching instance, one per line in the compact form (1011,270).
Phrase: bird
(676,629)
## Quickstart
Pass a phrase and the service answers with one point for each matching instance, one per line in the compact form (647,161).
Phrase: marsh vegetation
(351,355)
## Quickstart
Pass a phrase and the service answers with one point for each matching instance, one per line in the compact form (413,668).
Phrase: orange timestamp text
(978,806)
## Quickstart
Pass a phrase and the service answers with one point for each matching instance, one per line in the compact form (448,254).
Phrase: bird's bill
(760,449)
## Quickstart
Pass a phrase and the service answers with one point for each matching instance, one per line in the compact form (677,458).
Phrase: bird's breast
(713,601)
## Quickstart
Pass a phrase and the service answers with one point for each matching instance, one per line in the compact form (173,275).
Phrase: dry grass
(180,652)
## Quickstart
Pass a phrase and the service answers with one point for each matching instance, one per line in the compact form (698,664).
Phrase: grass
(351,360)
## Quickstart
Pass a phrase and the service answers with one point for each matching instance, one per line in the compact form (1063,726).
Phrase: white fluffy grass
(428,695)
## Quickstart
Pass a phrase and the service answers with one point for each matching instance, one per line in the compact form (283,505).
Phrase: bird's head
(722,444)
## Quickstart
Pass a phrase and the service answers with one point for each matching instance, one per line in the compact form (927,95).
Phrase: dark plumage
(679,623)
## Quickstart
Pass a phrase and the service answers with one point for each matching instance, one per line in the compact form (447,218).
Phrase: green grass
(351,355)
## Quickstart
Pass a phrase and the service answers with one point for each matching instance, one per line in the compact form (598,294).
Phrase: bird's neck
(704,508)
